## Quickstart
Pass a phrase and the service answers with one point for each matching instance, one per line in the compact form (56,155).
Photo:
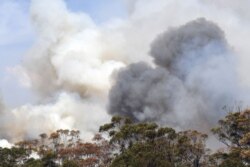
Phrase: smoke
(69,53)
(193,78)
(68,72)
(67,111)
(1,105)
(183,78)
(5,144)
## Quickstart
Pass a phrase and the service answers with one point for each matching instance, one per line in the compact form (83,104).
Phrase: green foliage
(106,127)
(233,128)
(33,163)
(143,155)
(11,157)
(70,163)
(146,144)
(234,132)
(49,160)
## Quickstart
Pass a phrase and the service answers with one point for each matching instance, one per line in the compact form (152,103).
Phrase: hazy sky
(17,36)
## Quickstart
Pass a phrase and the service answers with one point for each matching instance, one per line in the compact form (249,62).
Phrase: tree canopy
(132,144)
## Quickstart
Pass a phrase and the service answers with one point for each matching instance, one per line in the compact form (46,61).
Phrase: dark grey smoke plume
(193,78)
(179,49)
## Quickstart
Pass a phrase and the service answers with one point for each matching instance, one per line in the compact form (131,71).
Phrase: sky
(17,36)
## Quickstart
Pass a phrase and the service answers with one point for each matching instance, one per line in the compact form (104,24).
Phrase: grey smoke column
(193,78)
(140,89)
(179,49)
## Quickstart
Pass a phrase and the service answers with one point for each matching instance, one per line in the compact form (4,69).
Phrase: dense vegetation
(124,143)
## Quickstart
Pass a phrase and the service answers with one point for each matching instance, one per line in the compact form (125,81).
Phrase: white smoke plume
(67,69)
(5,144)
(72,60)
(69,111)
(69,53)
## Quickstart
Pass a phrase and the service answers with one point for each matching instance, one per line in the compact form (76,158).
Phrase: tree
(49,160)
(191,149)
(70,163)
(148,145)
(13,157)
(33,163)
(133,144)
(234,132)
(64,147)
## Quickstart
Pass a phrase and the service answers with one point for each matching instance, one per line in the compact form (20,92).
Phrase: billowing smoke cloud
(194,78)
(69,54)
(187,74)
(66,112)
(69,72)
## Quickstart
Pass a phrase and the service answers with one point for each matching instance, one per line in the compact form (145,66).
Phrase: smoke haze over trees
(136,144)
